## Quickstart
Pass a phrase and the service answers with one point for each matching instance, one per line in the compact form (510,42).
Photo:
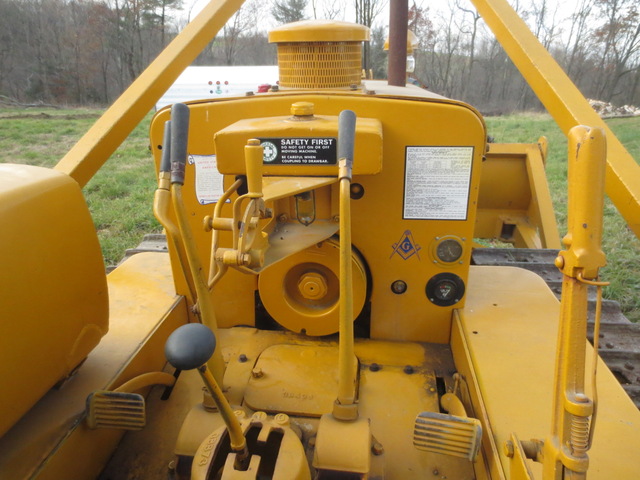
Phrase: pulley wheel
(301,292)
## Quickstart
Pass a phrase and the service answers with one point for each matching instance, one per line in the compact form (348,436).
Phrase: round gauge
(445,289)
(449,250)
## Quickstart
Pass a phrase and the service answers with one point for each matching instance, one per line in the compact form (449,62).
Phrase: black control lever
(165,161)
(179,138)
(346,137)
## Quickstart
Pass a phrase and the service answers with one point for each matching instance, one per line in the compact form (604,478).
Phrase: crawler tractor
(317,314)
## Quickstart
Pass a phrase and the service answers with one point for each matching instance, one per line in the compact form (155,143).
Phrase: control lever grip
(179,139)
(346,136)
(190,346)
(165,161)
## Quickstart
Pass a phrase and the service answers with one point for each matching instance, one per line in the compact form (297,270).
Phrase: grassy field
(120,195)
(620,245)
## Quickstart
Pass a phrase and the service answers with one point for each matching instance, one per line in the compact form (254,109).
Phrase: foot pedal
(447,434)
(122,410)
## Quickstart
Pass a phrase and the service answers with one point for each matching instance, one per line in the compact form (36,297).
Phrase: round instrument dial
(449,250)
(445,289)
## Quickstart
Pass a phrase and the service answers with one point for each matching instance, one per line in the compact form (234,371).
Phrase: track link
(619,339)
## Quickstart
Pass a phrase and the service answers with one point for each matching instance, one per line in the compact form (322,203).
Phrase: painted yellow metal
(382,374)
(414,316)
(115,410)
(518,465)
(275,432)
(453,405)
(573,411)
(502,346)
(343,446)
(161,210)
(316,371)
(283,294)
(52,441)
(491,466)
(317,128)
(253,155)
(518,210)
(54,299)
(275,188)
(206,311)
(319,31)
(584,255)
(319,53)
(514,363)
(97,145)
(345,408)
(146,380)
(378,393)
(412,43)
(447,434)
(215,224)
(564,102)
(312,286)
(232,424)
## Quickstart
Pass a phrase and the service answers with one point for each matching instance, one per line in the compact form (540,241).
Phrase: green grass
(41,136)
(620,245)
(120,196)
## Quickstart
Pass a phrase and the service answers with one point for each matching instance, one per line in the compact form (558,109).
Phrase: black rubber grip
(179,139)
(346,135)
(165,162)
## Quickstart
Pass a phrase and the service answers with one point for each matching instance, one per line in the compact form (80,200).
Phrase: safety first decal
(300,151)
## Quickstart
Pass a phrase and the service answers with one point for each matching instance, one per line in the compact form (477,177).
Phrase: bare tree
(242,24)
(366,13)
(578,39)
(620,38)
(422,27)
(470,29)
(331,9)
(287,11)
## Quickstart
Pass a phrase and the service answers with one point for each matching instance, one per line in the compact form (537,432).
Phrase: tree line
(89,51)
(597,43)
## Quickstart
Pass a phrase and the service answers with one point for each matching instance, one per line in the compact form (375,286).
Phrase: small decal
(209,185)
(436,183)
(270,152)
(406,247)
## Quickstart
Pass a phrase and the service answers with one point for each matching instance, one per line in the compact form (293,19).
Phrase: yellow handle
(253,155)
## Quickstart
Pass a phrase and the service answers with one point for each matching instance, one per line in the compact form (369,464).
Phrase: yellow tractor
(317,314)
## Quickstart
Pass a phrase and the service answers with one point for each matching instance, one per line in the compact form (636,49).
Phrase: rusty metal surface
(619,345)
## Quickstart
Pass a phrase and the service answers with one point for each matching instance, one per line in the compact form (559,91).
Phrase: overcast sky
(564,9)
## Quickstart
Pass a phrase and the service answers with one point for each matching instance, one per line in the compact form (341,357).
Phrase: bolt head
(377,448)
(509,449)
(302,109)
(282,419)
(559,262)
(312,286)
